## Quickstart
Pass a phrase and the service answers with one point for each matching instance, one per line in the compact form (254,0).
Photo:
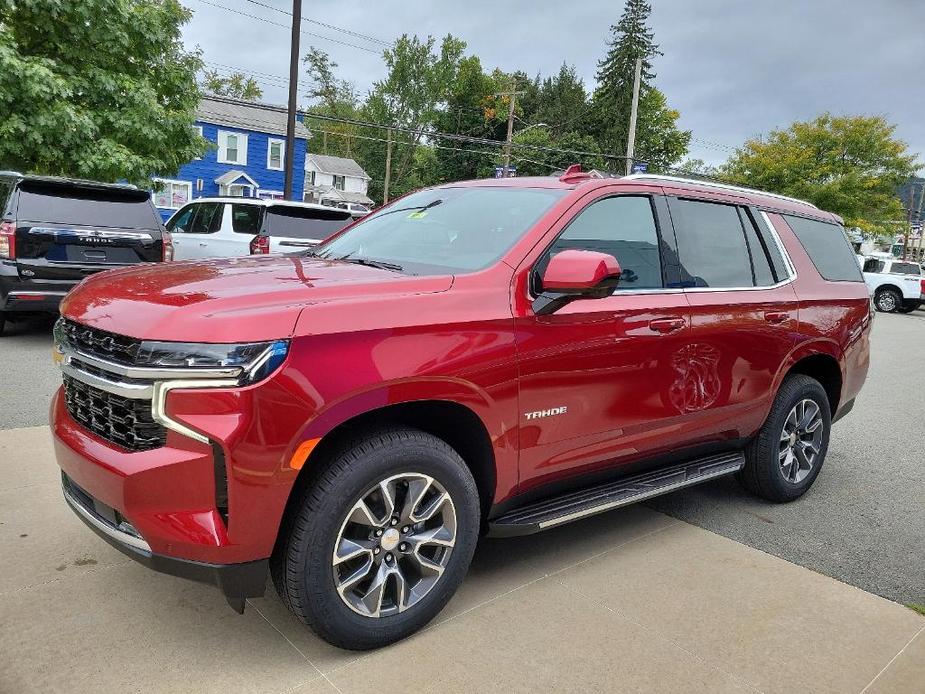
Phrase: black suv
(56,231)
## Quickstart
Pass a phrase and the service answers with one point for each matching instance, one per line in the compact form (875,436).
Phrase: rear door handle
(203,244)
(776,316)
(666,325)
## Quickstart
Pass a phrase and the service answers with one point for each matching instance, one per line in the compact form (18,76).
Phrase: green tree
(237,85)
(99,89)
(415,88)
(331,96)
(658,139)
(850,165)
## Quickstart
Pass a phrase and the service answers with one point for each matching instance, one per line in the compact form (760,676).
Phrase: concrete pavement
(863,521)
(628,601)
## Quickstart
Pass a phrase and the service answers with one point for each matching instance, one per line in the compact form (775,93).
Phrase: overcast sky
(733,68)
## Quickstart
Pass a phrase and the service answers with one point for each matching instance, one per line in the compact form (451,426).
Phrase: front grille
(123,421)
(101,343)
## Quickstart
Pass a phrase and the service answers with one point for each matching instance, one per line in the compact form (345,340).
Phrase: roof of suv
(669,183)
(267,203)
(64,180)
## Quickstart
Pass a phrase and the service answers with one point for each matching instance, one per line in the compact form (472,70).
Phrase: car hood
(229,300)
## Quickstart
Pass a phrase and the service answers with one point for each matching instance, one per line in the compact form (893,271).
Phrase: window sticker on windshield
(420,214)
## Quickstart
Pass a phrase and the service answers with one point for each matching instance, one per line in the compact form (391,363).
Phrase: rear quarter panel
(834,317)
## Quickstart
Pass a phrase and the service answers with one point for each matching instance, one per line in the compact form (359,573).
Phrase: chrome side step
(548,513)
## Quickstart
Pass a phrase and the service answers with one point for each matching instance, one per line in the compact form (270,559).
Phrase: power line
(323,24)
(303,31)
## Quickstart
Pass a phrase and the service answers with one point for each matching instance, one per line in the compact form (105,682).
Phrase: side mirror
(576,274)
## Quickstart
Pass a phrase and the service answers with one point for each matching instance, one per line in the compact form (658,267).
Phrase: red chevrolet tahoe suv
(498,356)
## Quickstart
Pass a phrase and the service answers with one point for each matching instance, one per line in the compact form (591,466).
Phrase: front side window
(275,155)
(623,227)
(180,223)
(339,182)
(443,230)
(208,218)
(711,245)
(828,248)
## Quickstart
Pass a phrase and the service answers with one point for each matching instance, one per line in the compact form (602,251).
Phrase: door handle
(203,245)
(666,325)
(776,316)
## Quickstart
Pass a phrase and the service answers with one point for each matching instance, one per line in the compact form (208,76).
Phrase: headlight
(257,360)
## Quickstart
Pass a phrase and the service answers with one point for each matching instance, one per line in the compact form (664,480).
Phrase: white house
(332,180)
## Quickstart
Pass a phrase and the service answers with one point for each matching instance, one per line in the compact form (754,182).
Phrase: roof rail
(722,186)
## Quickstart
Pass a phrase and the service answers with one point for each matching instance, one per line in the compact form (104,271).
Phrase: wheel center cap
(793,438)
(390,539)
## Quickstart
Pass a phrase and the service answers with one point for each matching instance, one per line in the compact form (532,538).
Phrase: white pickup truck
(895,285)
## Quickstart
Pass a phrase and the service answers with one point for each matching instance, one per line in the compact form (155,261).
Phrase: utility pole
(388,167)
(510,125)
(631,136)
(293,95)
(921,223)
(909,219)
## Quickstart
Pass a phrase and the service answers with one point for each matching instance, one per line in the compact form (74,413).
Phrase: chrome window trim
(117,535)
(780,244)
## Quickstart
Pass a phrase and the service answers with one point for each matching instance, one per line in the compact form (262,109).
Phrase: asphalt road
(863,522)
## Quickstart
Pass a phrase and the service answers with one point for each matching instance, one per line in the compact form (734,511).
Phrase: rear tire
(784,459)
(909,306)
(2,322)
(888,300)
(343,508)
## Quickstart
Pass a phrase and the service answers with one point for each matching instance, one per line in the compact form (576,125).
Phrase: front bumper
(236,581)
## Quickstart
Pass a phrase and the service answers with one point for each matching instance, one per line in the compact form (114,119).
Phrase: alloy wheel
(886,302)
(394,545)
(801,440)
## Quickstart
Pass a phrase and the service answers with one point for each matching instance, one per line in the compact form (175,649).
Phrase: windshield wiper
(420,208)
(381,264)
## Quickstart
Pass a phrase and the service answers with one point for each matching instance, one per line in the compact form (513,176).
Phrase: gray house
(332,180)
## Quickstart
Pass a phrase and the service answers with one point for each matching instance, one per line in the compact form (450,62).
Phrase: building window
(172,195)
(237,190)
(232,148)
(271,195)
(198,130)
(309,178)
(276,154)
(339,182)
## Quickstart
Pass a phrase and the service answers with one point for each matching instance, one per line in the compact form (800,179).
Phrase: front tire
(381,540)
(784,459)
(888,300)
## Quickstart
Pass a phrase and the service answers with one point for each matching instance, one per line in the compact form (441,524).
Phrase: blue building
(247,160)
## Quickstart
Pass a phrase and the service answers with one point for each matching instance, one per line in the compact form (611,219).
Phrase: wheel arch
(824,366)
(455,420)
(886,286)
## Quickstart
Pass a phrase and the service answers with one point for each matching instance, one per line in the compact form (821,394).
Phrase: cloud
(733,68)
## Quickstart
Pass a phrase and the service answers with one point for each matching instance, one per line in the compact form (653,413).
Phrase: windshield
(445,229)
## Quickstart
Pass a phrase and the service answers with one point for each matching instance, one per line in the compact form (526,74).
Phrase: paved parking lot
(863,522)
(632,600)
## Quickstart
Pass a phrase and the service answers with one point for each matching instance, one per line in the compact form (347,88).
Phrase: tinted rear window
(59,204)
(305,223)
(6,187)
(711,245)
(828,248)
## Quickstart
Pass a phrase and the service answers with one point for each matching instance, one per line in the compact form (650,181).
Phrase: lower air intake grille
(123,421)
